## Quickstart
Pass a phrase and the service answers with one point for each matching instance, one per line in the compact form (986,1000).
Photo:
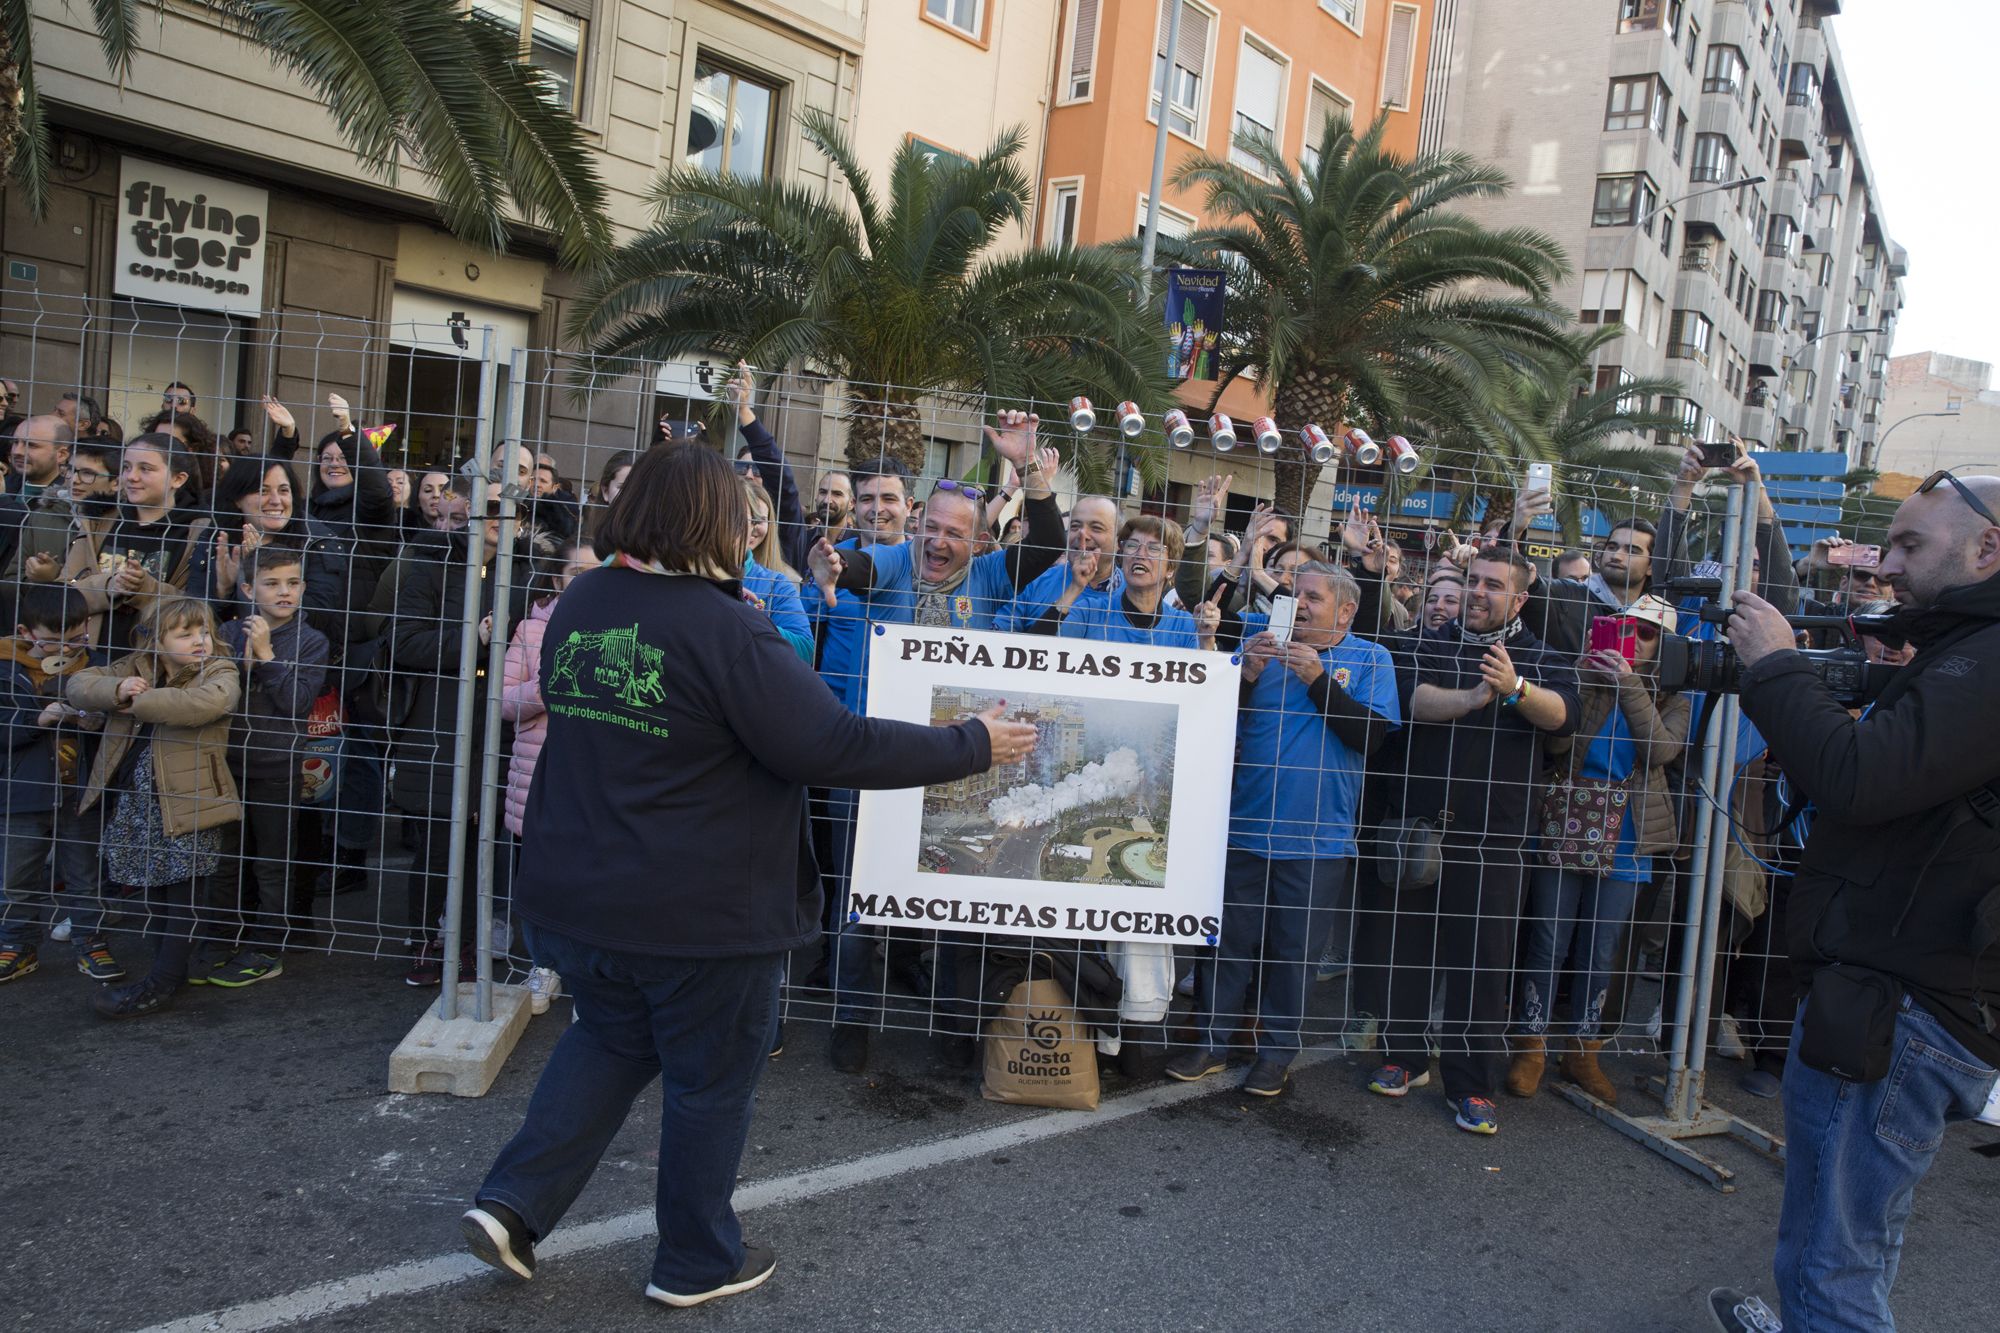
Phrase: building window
(552,34)
(1714,160)
(1640,15)
(1323,104)
(1694,41)
(1613,296)
(1347,11)
(1186,71)
(1082,41)
(1622,201)
(1173,222)
(1400,59)
(1691,337)
(1778,239)
(1804,89)
(1260,100)
(966,16)
(729,121)
(1634,103)
(1680,134)
(1725,71)
(1065,211)
(1667,233)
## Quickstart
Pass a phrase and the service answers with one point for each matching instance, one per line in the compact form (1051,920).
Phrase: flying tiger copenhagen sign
(189,240)
(1114,827)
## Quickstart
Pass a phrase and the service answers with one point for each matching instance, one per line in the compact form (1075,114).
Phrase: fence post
(496,665)
(468,664)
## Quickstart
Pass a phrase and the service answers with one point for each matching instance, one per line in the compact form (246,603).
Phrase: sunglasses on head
(1931,483)
(972,493)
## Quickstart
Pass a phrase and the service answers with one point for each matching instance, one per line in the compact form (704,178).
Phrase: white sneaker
(543,985)
(1991,1115)
(1728,1041)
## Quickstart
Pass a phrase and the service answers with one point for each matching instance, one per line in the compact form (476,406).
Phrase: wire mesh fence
(276,685)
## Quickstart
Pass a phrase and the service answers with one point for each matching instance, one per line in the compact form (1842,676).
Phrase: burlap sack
(1038,1054)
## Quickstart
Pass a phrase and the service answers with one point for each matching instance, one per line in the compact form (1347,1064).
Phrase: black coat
(1901,869)
(668,809)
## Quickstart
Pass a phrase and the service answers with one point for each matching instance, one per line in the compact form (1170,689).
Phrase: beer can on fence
(1081,416)
(1318,447)
(1180,433)
(1130,420)
(1366,452)
(1266,432)
(1222,432)
(1402,455)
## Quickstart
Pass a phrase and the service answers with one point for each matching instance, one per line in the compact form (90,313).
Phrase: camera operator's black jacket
(1901,871)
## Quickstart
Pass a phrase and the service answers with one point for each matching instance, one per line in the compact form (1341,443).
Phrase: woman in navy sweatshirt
(665,868)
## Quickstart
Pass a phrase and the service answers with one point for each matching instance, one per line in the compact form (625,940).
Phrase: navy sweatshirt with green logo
(667,813)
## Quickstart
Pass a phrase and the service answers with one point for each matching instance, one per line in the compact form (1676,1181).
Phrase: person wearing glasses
(1894,918)
(1134,609)
(934,580)
(1580,894)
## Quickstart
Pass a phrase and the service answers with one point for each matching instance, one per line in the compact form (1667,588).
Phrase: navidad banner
(1113,828)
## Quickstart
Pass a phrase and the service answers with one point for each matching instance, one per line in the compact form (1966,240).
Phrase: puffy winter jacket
(189,714)
(521,704)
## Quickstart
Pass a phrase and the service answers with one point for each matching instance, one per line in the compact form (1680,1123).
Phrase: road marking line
(406,1279)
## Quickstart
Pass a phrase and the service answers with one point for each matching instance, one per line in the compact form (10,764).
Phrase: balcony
(1809,44)
(1687,352)
(1701,259)
(1800,132)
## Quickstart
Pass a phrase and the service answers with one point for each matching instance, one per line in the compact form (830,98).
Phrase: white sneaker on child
(543,985)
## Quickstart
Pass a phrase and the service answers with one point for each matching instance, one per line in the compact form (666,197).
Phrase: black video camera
(1711,666)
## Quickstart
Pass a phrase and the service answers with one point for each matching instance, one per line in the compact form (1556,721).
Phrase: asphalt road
(240,1149)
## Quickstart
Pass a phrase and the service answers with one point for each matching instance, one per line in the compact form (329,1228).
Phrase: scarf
(934,599)
(1505,632)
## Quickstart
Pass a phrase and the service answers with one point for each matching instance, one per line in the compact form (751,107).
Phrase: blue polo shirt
(843,654)
(982,594)
(1098,614)
(780,597)
(1297,789)
(1042,592)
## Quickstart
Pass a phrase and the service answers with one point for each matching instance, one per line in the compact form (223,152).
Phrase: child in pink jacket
(521,705)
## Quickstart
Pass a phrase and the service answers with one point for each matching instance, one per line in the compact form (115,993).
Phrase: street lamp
(1658,209)
(1883,438)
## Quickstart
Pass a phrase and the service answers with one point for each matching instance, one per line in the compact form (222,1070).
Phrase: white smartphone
(1284,612)
(1541,477)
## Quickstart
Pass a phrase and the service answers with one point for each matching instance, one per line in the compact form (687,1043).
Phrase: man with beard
(833,505)
(933,581)
(1088,567)
(1893,920)
(1483,692)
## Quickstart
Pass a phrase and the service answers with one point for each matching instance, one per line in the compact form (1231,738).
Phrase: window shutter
(1321,106)
(583,9)
(1083,45)
(1396,62)
(1192,51)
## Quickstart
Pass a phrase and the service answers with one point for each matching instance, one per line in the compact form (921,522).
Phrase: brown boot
(1524,1075)
(1580,1067)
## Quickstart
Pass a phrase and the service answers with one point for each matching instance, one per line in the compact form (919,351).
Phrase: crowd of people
(1399,842)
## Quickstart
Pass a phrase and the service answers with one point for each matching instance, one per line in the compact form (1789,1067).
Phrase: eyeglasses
(1964,493)
(1140,548)
(972,493)
(1646,631)
(746,467)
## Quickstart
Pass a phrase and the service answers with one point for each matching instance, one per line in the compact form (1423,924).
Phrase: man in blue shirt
(1088,565)
(1315,705)
(1131,607)
(933,580)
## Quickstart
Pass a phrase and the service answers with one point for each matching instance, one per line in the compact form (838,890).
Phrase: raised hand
(342,417)
(741,391)
(1013,437)
(1529,506)
(1207,620)
(1209,495)
(280,416)
(228,564)
(1496,671)
(1354,528)
(824,564)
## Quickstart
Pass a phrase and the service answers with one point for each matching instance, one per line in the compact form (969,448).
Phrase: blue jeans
(1579,916)
(1854,1153)
(1276,916)
(704,1028)
(41,849)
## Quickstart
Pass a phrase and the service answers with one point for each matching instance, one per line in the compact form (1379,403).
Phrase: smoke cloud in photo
(1117,774)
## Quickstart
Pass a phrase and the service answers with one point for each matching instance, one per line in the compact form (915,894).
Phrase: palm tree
(424,80)
(900,297)
(1355,288)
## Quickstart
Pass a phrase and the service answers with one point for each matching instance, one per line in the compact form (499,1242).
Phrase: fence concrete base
(461,1056)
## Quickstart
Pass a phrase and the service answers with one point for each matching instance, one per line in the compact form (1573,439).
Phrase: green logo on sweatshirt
(608,669)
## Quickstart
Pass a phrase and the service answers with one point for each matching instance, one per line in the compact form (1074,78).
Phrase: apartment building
(1942,411)
(1702,163)
(1280,70)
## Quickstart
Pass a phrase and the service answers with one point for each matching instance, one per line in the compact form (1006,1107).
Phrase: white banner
(1114,828)
(189,240)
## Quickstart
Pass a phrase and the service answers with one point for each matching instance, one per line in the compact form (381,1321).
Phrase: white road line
(323,1298)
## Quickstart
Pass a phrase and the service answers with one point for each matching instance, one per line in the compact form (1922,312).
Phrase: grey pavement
(240,1147)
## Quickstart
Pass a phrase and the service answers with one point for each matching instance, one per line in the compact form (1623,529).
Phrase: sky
(1921,75)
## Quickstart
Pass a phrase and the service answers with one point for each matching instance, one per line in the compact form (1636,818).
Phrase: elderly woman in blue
(1132,608)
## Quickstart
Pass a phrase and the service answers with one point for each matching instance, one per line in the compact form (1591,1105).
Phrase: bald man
(1894,917)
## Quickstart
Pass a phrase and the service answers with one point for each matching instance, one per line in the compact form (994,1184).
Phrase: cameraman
(1894,929)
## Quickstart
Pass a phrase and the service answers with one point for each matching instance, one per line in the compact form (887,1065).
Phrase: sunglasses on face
(1932,482)
(745,468)
(972,493)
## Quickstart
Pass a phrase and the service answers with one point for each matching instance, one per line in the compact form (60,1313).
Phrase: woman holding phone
(1606,811)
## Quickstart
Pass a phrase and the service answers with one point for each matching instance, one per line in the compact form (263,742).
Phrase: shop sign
(189,240)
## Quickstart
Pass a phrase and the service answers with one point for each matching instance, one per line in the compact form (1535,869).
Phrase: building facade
(1774,301)
(350,284)
(1276,69)
(1941,412)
